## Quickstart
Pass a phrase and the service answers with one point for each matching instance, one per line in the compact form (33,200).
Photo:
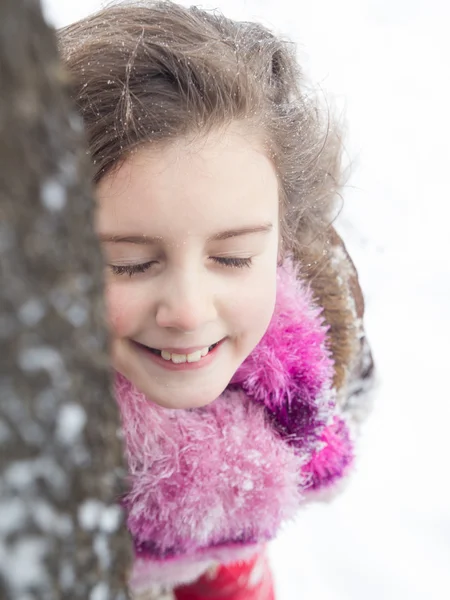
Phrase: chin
(180,403)
(183,403)
(184,399)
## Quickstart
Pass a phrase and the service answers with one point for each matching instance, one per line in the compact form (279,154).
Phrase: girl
(234,308)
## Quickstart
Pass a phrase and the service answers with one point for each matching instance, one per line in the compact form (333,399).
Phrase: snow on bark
(61,533)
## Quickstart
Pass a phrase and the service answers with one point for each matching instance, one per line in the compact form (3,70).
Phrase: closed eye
(131,269)
(227,261)
(232,262)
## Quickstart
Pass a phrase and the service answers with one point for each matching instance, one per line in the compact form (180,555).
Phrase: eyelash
(236,263)
(130,269)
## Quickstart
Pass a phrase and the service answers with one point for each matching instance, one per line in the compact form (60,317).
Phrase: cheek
(122,312)
(254,304)
(262,309)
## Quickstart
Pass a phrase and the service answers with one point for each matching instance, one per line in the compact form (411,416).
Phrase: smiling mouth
(182,358)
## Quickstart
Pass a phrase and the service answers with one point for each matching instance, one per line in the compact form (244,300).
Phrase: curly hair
(149,72)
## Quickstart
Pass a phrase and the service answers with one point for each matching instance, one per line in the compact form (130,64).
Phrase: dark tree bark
(61,533)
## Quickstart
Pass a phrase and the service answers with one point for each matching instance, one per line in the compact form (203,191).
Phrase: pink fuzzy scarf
(212,484)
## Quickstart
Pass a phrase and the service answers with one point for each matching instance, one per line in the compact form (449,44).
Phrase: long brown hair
(149,72)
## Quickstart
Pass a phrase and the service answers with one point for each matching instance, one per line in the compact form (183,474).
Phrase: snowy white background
(387,64)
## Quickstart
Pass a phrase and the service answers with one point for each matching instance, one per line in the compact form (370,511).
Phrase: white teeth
(194,356)
(178,358)
(182,358)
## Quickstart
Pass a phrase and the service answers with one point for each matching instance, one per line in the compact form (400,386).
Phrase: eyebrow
(148,240)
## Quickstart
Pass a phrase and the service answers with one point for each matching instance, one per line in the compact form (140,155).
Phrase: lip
(186,366)
(189,350)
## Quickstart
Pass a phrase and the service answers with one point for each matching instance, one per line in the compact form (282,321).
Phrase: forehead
(192,186)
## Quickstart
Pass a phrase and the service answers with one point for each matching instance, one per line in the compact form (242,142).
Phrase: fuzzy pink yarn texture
(204,484)
(206,477)
(290,371)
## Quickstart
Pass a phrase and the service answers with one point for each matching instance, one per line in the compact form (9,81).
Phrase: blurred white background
(387,65)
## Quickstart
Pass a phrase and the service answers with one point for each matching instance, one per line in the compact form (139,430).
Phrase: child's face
(179,280)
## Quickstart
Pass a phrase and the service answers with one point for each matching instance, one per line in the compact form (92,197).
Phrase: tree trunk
(61,533)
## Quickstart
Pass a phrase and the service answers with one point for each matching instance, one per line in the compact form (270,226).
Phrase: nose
(185,302)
